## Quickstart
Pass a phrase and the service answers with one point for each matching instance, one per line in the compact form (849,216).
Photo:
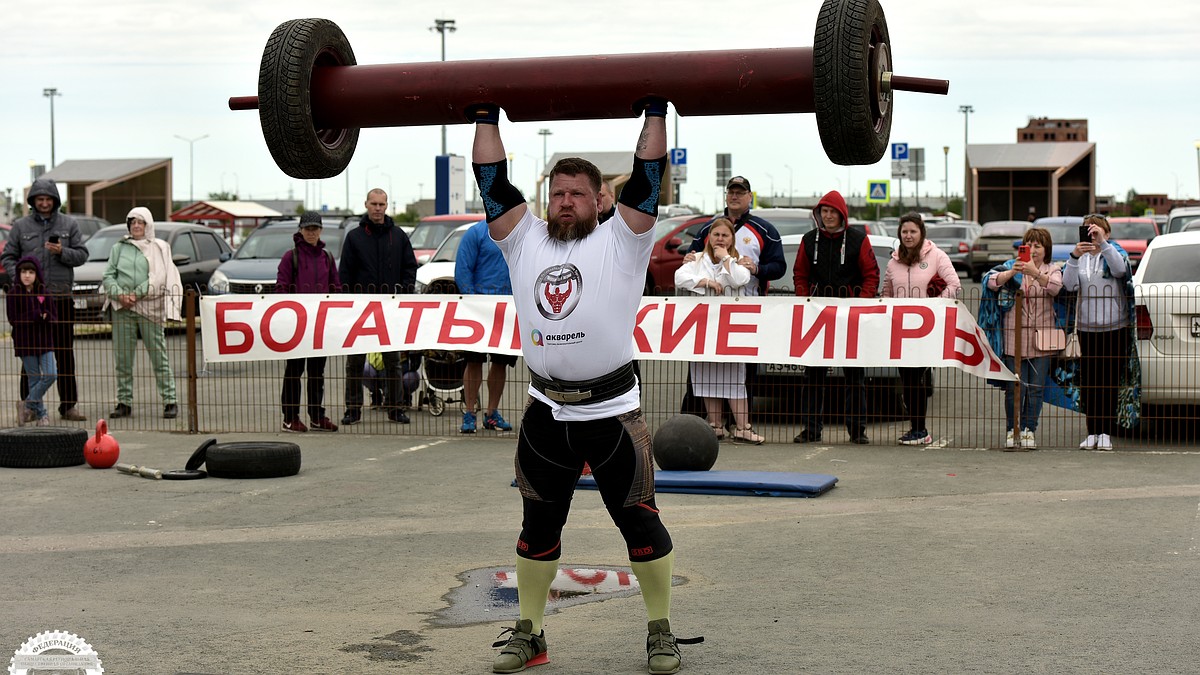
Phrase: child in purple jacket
(31,312)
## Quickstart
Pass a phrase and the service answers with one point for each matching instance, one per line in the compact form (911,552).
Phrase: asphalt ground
(934,560)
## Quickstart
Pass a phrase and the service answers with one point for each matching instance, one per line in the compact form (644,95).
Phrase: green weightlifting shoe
(521,650)
(662,648)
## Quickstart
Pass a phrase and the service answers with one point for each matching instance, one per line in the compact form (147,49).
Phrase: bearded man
(577,284)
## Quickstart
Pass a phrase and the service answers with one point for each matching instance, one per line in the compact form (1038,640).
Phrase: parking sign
(679,156)
(899,151)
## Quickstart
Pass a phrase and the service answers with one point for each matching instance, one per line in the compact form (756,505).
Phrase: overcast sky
(134,74)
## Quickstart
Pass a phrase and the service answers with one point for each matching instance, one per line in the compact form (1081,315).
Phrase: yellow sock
(654,578)
(533,587)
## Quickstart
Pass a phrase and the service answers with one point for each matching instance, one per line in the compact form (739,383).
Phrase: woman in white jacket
(717,272)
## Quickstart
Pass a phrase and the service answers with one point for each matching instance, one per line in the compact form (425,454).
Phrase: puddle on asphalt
(490,593)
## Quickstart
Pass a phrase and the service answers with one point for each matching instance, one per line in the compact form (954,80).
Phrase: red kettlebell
(101,451)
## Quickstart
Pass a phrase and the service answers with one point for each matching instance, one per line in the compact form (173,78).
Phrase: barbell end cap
(885,82)
(243,103)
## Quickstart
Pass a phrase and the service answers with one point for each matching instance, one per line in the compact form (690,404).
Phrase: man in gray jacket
(55,240)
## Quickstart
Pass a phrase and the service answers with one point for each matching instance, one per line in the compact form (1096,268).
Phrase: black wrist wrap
(499,196)
(641,192)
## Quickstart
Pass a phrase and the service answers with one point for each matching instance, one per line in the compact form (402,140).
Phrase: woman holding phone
(1099,269)
(1041,281)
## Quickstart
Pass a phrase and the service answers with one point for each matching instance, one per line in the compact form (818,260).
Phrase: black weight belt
(595,390)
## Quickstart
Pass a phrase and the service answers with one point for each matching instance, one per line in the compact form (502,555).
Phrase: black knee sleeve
(645,536)
(641,192)
(499,196)
(541,530)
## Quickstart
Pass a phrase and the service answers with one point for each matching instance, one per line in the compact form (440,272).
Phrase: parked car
(1179,217)
(1167,308)
(431,231)
(955,240)
(875,227)
(437,275)
(89,225)
(672,238)
(783,379)
(197,251)
(994,245)
(1134,235)
(253,268)
(1064,233)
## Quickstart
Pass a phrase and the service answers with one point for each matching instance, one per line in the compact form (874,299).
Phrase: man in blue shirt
(479,269)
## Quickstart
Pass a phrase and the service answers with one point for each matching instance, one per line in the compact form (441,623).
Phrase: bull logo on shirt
(557,291)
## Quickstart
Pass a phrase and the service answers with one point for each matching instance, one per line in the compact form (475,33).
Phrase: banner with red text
(934,332)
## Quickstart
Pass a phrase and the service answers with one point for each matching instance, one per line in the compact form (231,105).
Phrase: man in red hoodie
(834,261)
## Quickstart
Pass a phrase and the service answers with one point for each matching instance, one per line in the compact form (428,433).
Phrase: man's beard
(559,231)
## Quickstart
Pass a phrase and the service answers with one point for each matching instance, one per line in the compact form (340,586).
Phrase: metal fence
(964,411)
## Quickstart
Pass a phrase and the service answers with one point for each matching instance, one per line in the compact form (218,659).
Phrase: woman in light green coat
(143,288)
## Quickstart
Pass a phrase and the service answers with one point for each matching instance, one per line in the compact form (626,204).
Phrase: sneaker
(807,436)
(323,424)
(44,422)
(468,425)
(352,416)
(1009,441)
(170,411)
(1103,442)
(397,415)
(495,422)
(1089,443)
(747,435)
(122,410)
(294,425)
(519,649)
(860,438)
(1027,440)
(916,437)
(72,414)
(24,414)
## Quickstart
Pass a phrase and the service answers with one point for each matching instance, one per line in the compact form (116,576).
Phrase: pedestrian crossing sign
(879,191)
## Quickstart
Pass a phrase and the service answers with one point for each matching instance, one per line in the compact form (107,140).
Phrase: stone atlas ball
(685,443)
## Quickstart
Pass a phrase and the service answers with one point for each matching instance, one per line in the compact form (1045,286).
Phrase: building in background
(1047,130)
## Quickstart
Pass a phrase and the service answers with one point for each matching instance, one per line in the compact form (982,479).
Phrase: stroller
(442,376)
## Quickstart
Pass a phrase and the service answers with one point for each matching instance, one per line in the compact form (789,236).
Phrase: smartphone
(1085,234)
(1023,253)
(53,239)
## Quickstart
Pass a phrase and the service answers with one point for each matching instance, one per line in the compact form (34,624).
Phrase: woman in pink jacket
(918,269)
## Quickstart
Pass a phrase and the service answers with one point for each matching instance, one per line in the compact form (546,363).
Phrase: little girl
(31,312)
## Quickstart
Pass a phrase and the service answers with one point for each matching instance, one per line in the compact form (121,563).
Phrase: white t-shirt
(577,304)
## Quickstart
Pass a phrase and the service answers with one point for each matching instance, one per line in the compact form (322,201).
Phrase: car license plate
(1195,325)
(784,368)
(80,303)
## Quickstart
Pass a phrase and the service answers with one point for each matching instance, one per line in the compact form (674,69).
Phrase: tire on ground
(41,447)
(850,50)
(253,460)
(294,49)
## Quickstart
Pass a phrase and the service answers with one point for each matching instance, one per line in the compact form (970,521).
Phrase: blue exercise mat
(746,483)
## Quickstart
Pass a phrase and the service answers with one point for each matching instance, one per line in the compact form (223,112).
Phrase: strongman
(577,285)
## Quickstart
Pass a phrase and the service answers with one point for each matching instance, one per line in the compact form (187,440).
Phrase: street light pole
(50,93)
(390,195)
(191,166)
(443,26)
(966,110)
(946,177)
(367,179)
(790,202)
(1198,165)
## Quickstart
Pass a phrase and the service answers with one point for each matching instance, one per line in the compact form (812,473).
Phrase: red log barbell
(313,98)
